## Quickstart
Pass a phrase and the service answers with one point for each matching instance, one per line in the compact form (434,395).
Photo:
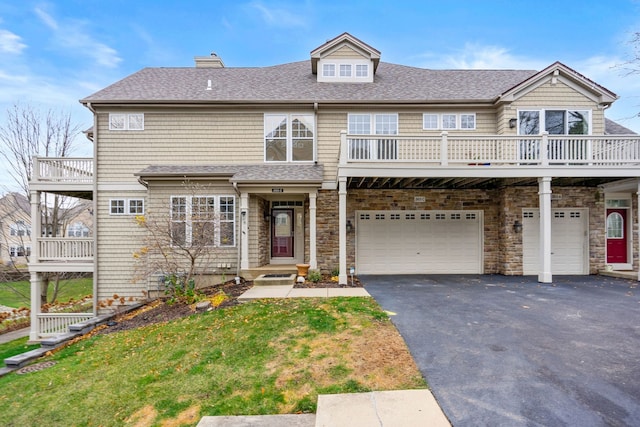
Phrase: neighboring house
(15,223)
(345,161)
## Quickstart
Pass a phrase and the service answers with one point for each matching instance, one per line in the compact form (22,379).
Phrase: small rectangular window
(448,121)
(329,70)
(429,121)
(467,121)
(362,70)
(345,70)
(116,207)
(136,206)
(126,121)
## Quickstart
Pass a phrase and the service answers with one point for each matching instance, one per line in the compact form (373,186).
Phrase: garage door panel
(404,242)
(569,241)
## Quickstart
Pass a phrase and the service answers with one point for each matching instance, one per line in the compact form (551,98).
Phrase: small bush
(179,291)
(314,276)
(335,272)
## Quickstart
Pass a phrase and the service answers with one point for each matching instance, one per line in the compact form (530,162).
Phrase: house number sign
(277,190)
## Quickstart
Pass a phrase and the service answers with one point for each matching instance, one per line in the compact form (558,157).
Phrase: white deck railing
(65,249)
(51,324)
(443,150)
(63,170)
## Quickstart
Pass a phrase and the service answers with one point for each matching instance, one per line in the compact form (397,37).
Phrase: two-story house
(15,226)
(342,161)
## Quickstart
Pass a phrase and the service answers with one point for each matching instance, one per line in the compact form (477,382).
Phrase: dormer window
(345,70)
(329,70)
(362,70)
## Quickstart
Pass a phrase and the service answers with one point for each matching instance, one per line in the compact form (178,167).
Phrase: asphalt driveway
(510,351)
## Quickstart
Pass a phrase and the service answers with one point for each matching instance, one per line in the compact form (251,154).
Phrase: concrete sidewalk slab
(14,335)
(398,408)
(303,420)
(288,291)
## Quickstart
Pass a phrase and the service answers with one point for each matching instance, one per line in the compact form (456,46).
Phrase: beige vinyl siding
(118,238)
(344,52)
(561,96)
(329,125)
(179,138)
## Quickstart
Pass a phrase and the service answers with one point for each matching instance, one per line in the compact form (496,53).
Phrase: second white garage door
(569,242)
(415,242)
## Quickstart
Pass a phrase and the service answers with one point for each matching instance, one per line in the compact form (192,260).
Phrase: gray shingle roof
(615,128)
(294,82)
(278,173)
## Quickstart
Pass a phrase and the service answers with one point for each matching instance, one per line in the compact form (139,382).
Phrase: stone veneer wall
(514,199)
(502,207)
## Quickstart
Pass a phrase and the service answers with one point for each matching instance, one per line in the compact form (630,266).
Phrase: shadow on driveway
(505,350)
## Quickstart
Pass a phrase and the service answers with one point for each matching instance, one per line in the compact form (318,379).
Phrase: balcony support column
(344,148)
(36,307)
(313,255)
(444,149)
(638,195)
(544,193)
(342,230)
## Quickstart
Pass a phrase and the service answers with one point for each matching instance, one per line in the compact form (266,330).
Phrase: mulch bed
(164,312)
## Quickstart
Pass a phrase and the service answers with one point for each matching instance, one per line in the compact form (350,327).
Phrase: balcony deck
(63,175)
(62,254)
(501,156)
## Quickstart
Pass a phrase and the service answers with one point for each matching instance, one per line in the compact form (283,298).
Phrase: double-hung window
(203,221)
(19,228)
(289,137)
(373,124)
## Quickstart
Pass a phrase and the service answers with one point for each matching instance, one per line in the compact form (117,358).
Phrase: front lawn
(262,357)
(16,294)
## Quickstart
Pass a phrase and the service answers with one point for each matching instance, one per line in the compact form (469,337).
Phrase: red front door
(616,236)
(282,233)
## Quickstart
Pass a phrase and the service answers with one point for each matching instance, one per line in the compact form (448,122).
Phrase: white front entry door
(418,242)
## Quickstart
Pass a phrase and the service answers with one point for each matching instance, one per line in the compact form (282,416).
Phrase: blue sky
(53,53)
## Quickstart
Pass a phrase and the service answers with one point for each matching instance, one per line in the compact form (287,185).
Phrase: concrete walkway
(401,408)
(14,335)
(288,291)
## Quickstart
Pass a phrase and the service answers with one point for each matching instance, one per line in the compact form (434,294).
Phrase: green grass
(14,347)
(262,357)
(72,288)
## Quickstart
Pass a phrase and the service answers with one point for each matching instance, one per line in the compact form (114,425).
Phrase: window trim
(329,70)
(289,144)
(542,119)
(458,121)
(217,218)
(126,206)
(127,121)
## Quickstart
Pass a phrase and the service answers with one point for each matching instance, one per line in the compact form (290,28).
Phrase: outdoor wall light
(512,123)
(349,226)
(517,227)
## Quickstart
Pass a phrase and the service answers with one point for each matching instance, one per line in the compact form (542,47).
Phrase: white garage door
(569,242)
(410,242)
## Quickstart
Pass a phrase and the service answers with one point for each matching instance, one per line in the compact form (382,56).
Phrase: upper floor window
(373,124)
(126,121)
(19,228)
(449,121)
(203,220)
(126,206)
(345,70)
(289,137)
(555,122)
(329,70)
(362,70)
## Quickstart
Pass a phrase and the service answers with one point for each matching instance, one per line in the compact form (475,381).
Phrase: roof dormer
(345,59)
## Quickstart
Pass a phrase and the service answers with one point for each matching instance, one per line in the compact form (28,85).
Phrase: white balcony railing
(51,324)
(63,170)
(65,249)
(443,150)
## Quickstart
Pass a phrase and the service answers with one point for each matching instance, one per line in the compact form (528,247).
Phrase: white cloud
(72,36)
(46,19)
(10,42)
(475,56)
(278,16)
